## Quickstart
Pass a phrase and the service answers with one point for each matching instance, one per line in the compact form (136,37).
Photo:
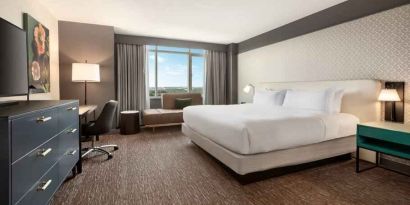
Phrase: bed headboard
(360,98)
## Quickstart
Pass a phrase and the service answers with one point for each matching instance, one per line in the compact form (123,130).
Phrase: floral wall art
(38,39)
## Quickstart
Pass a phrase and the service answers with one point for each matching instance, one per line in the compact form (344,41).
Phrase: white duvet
(251,129)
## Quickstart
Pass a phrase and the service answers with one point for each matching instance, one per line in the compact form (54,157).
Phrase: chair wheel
(115,148)
(109,156)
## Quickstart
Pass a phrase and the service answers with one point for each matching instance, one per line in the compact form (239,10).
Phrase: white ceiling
(217,21)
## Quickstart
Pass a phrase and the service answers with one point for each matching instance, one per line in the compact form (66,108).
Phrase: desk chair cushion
(104,122)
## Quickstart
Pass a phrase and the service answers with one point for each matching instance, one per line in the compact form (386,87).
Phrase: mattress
(245,164)
(252,129)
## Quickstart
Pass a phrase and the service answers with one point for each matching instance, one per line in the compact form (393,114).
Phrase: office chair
(102,125)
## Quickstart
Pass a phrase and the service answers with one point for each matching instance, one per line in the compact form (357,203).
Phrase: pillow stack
(329,100)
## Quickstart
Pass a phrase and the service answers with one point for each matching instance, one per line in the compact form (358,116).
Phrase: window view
(175,70)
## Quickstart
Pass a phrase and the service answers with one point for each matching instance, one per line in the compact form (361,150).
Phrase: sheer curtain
(215,78)
(131,79)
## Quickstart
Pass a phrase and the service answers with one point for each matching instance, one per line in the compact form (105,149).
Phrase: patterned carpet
(166,168)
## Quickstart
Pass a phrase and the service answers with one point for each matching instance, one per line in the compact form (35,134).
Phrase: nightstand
(383,137)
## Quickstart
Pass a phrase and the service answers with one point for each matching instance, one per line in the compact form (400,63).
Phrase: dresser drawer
(43,189)
(33,130)
(38,162)
(69,139)
(41,159)
(67,163)
(40,193)
(68,115)
(55,177)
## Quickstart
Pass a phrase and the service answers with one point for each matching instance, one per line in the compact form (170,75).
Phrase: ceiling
(216,21)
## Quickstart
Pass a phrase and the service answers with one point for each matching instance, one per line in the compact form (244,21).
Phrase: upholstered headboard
(360,97)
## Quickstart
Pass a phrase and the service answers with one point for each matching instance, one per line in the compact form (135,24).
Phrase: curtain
(131,79)
(215,78)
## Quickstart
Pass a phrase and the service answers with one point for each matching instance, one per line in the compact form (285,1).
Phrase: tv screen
(13,60)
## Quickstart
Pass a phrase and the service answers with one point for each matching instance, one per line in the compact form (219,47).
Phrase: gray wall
(143,40)
(79,42)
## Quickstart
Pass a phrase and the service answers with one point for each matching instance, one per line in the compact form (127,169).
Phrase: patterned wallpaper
(373,47)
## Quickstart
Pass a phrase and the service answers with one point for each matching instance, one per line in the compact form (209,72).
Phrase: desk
(83,111)
(383,137)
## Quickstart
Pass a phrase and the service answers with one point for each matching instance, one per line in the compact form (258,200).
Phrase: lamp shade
(248,88)
(389,95)
(83,72)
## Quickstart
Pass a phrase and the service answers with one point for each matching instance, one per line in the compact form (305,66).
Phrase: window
(175,70)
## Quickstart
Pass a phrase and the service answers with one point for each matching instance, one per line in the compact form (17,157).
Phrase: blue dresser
(39,146)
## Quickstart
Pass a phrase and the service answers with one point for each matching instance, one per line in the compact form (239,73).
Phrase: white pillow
(269,97)
(328,100)
(335,100)
(306,99)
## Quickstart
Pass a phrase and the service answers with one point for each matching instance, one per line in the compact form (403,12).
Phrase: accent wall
(372,47)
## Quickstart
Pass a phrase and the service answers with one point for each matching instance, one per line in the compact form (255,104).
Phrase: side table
(129,122)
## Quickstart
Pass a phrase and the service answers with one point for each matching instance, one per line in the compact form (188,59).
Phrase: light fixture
(249,88)
(390,96)
(85,72)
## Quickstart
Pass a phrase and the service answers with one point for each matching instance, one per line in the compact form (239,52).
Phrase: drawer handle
(72,108)
(44,119)
(72,152)
(72,131)
(43,186)
(44,152)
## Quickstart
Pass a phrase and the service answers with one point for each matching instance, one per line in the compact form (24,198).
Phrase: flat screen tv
(13,60)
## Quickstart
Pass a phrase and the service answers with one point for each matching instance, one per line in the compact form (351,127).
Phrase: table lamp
(85,72)
(249,88)
(391,96)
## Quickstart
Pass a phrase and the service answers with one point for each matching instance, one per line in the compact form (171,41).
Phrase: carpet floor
(166,168)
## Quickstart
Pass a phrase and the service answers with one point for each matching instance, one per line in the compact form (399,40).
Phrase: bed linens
(252,129)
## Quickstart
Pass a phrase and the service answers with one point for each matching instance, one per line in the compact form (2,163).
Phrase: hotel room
(204,102)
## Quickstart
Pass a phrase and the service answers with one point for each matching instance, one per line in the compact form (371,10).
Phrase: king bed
(256,137)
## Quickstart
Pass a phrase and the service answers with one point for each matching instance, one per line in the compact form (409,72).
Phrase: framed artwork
(38,41)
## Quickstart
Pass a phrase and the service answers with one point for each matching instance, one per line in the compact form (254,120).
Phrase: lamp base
(394,111)
(390,111)
(85,92)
